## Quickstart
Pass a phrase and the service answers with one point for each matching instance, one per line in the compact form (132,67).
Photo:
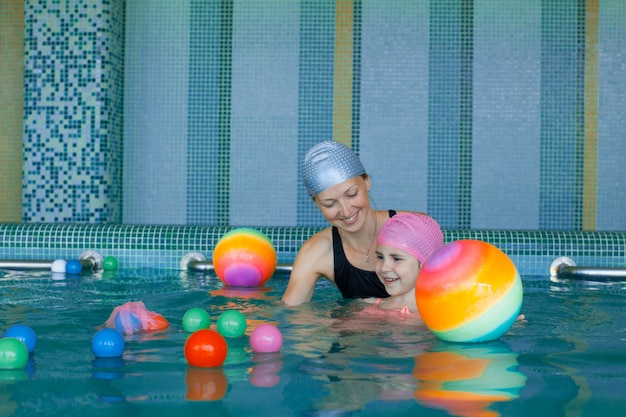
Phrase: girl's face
(346,204)
(396,269)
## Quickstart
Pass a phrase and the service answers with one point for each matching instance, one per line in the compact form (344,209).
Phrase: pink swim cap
(414,233)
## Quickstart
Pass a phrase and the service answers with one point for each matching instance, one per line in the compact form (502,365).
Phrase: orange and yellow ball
(469,291)
(244,257)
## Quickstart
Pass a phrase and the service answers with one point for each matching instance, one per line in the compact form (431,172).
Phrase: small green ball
(196,319)
(13,354)
(231,323)
(109,263)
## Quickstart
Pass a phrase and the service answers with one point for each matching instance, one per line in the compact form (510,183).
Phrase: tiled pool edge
(141,246)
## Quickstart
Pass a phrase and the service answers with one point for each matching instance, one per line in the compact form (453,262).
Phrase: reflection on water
(108,368)
(358,354)
(338,358)
(265,371)
(465,380)
(366,356)
(205,384)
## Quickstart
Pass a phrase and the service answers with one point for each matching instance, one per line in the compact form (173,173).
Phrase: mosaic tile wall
(73,111)
(164,247)
(499,115)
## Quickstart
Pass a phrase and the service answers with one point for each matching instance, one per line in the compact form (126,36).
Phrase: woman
(344,252)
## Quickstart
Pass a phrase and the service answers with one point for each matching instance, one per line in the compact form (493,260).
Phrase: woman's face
(346,204)
(396,269)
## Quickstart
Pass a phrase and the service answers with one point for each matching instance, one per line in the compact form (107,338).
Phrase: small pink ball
(266,338)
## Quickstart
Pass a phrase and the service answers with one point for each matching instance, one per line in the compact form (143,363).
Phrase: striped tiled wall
(487,115)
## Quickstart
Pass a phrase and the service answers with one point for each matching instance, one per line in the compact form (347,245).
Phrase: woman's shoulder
(318,249)
(321,239)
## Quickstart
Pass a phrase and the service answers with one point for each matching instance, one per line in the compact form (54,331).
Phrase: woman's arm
(314,260)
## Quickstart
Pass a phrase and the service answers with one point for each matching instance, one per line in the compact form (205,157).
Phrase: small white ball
(58,265)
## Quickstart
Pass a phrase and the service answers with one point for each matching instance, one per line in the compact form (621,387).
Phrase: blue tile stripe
(450,113)
(562,115)
(225,86)
(466,105)
(591,100)
(208,145)
(315,91)
(203,113)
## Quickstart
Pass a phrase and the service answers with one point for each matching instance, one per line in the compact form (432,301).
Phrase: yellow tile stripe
(590,172)
(342,99)
(12,105)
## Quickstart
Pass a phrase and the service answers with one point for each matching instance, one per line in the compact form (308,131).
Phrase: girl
(404,243)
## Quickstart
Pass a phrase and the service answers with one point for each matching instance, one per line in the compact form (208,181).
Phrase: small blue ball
(108,343)
(24,334)
(73,267)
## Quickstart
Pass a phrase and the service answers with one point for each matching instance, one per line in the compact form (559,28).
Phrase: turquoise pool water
(567,358)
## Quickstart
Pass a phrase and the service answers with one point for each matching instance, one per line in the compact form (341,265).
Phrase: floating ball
(58,266)
(73,267)
(244,257)
(231,323)
(469,291)
(109,263)
(108,343)
(13,354)
(24,334)
(266,339)
(196,319)
(206,348)
(127,323)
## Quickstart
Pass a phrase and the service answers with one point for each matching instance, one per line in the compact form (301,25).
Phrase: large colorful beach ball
(244,257)
(469,291)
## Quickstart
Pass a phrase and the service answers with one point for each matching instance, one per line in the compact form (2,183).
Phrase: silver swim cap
(327,164)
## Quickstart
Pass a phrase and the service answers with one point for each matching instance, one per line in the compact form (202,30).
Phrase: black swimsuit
(351,281)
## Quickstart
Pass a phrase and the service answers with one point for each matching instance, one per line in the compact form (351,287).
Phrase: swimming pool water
(339,358)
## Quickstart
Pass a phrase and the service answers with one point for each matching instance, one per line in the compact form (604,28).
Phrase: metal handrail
(18,264)
(90,260)
(566,268)
(197,262)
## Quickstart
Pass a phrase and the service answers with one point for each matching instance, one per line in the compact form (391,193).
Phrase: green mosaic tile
(165,246)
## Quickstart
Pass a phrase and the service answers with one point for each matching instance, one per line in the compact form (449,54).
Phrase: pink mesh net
(133,317)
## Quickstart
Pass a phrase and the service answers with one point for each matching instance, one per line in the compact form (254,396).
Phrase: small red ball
(206,348)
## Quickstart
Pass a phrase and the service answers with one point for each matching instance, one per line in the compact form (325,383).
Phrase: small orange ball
(206,348)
